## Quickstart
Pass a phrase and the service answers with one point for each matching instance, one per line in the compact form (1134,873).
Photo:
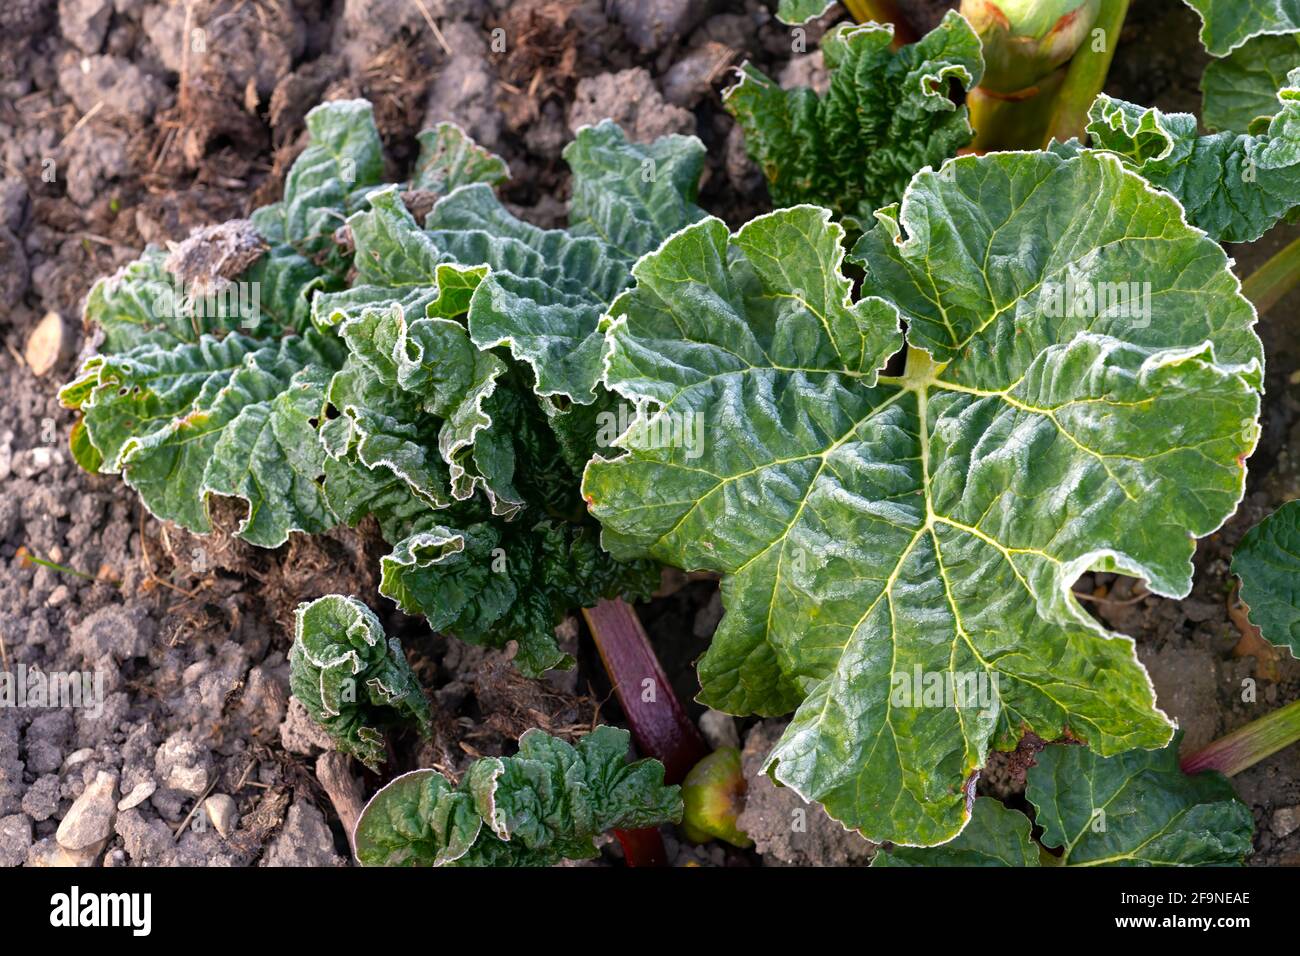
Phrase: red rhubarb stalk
(1248,745)
(659,723)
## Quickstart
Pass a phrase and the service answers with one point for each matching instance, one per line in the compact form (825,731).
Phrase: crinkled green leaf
(352,678)
(886,115)
(231,416)
(1243,87)
(995,836)
(490,584)
(801,11)
(543,805)
(1227,24)
(1134,809)
(328,180)
(1268,562)
(449,158)
(546,289)
(937,520)
(1234,186)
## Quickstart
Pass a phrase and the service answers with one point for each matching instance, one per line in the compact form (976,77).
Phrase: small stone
(33,461)
(47,344)
(304,840)
(78,757)
(183,766)
(48,853)
(58,596)
(90,818)
(41,801)
(1286,820)
(15,839)
(139,794)
(222,813)
(719,729)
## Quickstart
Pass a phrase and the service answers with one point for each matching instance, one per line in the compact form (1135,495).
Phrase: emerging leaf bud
(714,795)
(1025,40)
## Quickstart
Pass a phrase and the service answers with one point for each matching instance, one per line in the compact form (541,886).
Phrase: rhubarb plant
(352,678)
(1268,562)
(1134,809)
(541,806)
(440,377)
(1242,87)
(886,114)
(873,529)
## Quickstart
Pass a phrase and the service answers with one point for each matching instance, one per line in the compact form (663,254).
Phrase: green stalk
(1087,75)
(1274,279)
(1249,745)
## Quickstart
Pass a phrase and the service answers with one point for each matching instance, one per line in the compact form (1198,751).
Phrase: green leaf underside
(1268,562)
(1134,809)
(1227,24)
(353,679)
(935,521)
(449,158)
(1234,186)
(1243,86)
(795,12)
(541,806)
(887,114)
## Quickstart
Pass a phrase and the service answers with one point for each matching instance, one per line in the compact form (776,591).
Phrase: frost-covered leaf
(1227,24)
(541,806)
(934,523)
(449,158)
(801,11)
(328,180)
(546,289)
(232,416)
(1268,562)
(491,583)
(1234,186)
(352,678)
(886,115)
(1134,809)
(1243,86)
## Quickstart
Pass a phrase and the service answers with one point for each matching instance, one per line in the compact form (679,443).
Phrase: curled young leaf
(543,805)
(1079,358)
(1234,186)
(449,158)
(887,114)
(351,677)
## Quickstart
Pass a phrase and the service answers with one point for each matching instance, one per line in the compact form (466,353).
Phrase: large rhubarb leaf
(352,678)
(1134,809)
(545,290)
(886,115)
(1243,87)
(1234,186)
(1227,24)
(930,526)
(541,806)
(1268,562)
